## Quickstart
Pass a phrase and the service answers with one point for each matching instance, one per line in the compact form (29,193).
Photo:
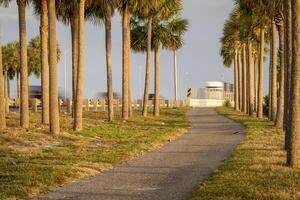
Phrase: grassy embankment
(256,170)
(32,161)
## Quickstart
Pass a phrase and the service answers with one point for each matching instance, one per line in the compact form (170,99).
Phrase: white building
(213,95)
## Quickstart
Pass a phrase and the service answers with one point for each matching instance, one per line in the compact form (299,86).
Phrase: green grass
(256,170)
(32,161)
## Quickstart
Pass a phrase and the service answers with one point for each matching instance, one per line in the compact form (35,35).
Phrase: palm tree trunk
(274,83)
(148,65)
(109,68)
(240,80)
(24,104)
(175,75)
(18,85)
(130,112)
(270,76)
(288,67)
(8,87)
(280,107)
(2,99)
(256,82)
(244,104)
(74,34)
(250,79)
(157,84)
(54,111)
(80,72)
(126,62)
(44,60)
(261,75)
(236,82)
(5,83)
(293,155)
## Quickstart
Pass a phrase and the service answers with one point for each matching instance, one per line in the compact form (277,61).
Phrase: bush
(227,104)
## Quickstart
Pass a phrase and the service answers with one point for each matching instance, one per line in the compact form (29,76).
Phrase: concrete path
(170,173)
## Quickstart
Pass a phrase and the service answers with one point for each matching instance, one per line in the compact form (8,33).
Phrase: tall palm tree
(24,107)
(54,112)
(161,31)
(280,107)
(24,104)
(2,100)
(288,66)
(273,72)
(230,51)
(244,71)
(175,40)
(124,7)
(104,10)
(240,78)
(236,81)
(42,8)
(259,9)
(293,158)
(67,12)
(80,73)
(250,78)
(151,9)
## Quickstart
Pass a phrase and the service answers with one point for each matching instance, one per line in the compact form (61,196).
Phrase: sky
(198,60)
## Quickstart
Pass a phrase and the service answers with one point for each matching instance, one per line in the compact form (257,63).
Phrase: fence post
(86,103)
(69,105)
(95,104)
(33,105)
(7,102)
(117,104)
(103,104)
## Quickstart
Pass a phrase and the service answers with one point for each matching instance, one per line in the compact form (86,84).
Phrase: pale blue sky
(198,60)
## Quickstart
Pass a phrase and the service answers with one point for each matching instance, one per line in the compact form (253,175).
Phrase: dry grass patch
(33,161)
(256,170)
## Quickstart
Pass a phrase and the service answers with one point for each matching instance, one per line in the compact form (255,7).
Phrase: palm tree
(11,61)
(42,8)
(293,155)
(151,9)
(104,10)
(24,104)
(54,112)
(67,12)
(24,107)
(273,72)
(79,84)
(2,100)
(230,51)
(288,66)
(124,7)
(279,19)
(176,29)
(259,9)
(250,78)
(160,34)
(280,107)
(244,71)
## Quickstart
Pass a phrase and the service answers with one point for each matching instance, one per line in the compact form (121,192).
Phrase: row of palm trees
(252,26)
(11,63)
(136,14)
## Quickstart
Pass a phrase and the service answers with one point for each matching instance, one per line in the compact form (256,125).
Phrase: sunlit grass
(256,170)
(33,161)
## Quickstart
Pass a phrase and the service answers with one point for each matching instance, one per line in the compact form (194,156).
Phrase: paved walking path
(170,173)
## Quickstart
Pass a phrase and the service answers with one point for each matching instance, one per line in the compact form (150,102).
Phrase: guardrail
(65,105)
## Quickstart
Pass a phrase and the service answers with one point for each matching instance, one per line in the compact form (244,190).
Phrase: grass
(32,161)
(256,170)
